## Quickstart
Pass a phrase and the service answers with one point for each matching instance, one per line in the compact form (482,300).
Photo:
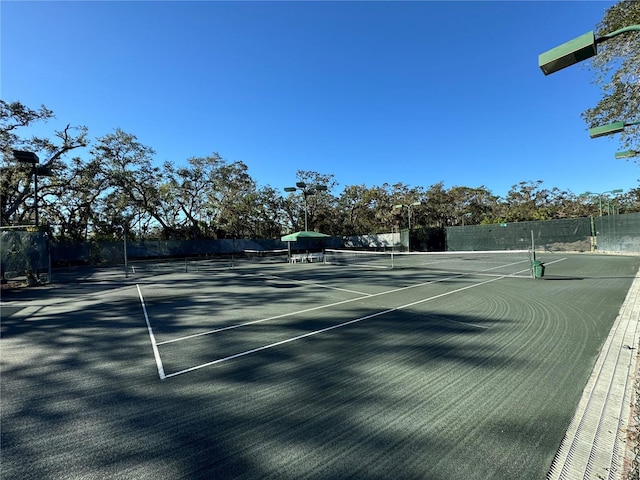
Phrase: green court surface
(292,371)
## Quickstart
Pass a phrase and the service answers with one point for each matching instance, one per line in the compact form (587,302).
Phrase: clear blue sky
(371,92)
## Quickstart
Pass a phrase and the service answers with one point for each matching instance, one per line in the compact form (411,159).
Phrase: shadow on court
(476,384)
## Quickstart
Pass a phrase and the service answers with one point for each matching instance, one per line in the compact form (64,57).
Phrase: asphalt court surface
(302,371)
(244,311)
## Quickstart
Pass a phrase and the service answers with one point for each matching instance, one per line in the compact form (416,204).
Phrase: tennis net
(206,263)
(266,256)
(160,266)
(496,262)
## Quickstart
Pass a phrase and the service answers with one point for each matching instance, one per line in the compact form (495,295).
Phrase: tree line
(119,189)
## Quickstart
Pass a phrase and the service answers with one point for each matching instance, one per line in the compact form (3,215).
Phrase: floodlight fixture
(567,54)
(306,191)
(627,154)
(599,195)
(576,50)
(25,157)
(409,205)
(610,129)
(42,171)
(31,158)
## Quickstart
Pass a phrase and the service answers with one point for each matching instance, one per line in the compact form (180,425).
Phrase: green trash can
(538,269)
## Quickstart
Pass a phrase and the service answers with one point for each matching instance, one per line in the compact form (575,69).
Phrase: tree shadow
(418,392)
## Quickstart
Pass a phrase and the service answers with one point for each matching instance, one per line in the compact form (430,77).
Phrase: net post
(533,247)
(533,256)
(126,260)
(233,252)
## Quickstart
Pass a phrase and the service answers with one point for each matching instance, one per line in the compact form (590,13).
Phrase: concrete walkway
(595,444)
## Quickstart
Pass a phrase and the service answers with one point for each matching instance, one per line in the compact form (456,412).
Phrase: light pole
(409,208)
(306,191)
(576,50)
(36,169)
(400,206)
(615,190)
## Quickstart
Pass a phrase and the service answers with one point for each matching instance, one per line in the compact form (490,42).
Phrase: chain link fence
(573,234)
(24,256)
(27,253)
(617,233)
(609,233)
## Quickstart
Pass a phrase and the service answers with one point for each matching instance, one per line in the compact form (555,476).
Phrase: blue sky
(371,92)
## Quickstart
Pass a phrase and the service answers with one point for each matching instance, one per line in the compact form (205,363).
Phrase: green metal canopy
(294,237)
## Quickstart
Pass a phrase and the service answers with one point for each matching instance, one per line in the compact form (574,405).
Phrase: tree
(69,185)
(76,191)
(472,205)
(528,201)
(229,198)
(630,201)
(16,185)
(15,115)
(617,71)
(364,210)
(210,197)
(438,208)
(183,196)
(268,213)
(134,183)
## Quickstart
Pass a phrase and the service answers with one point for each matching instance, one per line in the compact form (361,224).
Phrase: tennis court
(307,370)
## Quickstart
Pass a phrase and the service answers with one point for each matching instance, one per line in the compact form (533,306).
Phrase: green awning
(294,237)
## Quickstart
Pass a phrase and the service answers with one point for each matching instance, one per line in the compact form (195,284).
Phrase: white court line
(367,295)
(314,284)
(444,319)
(555,261)
(306,310)
(154,345)
(315,332)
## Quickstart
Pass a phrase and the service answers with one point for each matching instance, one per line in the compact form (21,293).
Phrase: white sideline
(315,332)
(154,345)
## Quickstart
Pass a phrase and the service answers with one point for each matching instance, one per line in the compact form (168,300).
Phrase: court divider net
(493,262)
